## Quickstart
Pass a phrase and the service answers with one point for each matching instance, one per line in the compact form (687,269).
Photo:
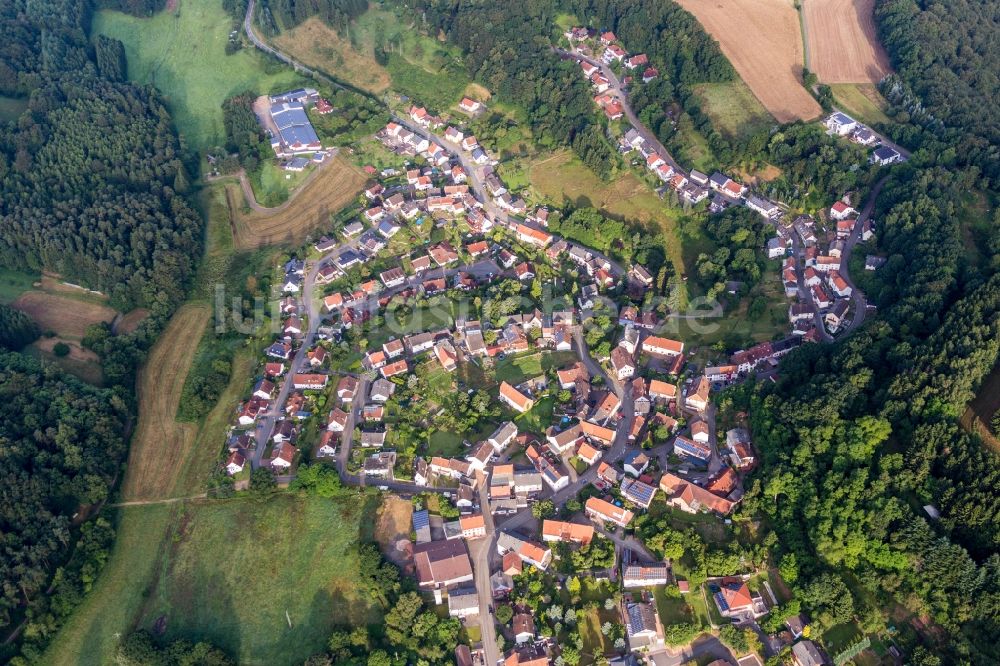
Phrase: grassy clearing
(590,621)
(273,186)
(538,418)
(862,101)
(673,609)
(734,110)
(11,108)
(80,362)
(438,89)
(562,178)
(516,369)
(227,572)
(161,445)
(182,53)
(14,283)
(975,224)
(331,189)
(762,315)
(693,149)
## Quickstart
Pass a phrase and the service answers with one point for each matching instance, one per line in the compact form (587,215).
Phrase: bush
(60,349)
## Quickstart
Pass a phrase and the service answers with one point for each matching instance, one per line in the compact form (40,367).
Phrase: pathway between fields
(168,500)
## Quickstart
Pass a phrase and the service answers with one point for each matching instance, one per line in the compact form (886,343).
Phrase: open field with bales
(161,444)
(227,572)
(334,186)
(763,40)
(842,42)
(182,52)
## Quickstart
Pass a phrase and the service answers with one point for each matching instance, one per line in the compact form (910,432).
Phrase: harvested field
(314,43)
(161,444)
(67,317)
(841,41)
(332,187)
(763,40)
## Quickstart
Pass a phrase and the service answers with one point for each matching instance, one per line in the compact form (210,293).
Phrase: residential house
(698,399)
(346,388)
(372,440)
(517,401)
(635,462)
(380,465)
(691,449)
(441,564)
(527,551)
(473,526)
(805,653)
(556,530)
(381,390)
(644,575)
(884,156)
(622,363)
(692,498)
(336,421)
(657,346)
(463,602)
(283,455)
(588,453)
(638,493)
(740,451)
(840,124)
(841,211)
(661,390)
(599,509)
(235,463)
(305,381)
(642,626)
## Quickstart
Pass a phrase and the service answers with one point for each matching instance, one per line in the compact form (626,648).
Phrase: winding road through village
(483,551)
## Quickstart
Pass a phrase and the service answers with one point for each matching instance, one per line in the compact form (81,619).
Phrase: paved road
(618,93)
(858,298)
(480,550)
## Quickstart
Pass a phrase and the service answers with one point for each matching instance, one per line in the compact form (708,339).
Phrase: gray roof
(806,654)
(293,124)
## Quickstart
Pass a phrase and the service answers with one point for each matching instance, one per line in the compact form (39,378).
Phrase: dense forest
(858,437)
(63,444)
(93,185)
(91,175)
(947,58)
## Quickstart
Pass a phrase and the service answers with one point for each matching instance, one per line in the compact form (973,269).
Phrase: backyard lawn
(516,369)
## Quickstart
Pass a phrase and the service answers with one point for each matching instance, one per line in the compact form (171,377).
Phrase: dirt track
(842,41)
(763,40)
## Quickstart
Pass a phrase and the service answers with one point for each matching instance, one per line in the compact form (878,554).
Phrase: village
(442,344)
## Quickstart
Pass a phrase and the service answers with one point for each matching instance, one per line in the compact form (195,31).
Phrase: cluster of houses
(841,124)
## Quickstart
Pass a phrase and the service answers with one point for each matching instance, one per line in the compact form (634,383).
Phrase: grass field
(734,110)
(590,621)
(227,572)
(273,186)
(182,53)
(80,362)
(109,610)
(14,283)
(161,445)
(314,43)
(562,177)
(842,42)
(516,369)
(335,186)
(763,40)
(11,108)
(862,101)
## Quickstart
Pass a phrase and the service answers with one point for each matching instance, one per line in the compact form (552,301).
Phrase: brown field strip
(842,43)
(161,444)
(333,187)
(68,317)
(763,40)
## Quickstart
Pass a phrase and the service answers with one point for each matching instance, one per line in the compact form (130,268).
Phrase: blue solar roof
(421,519)
(638,491)
(691,448)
